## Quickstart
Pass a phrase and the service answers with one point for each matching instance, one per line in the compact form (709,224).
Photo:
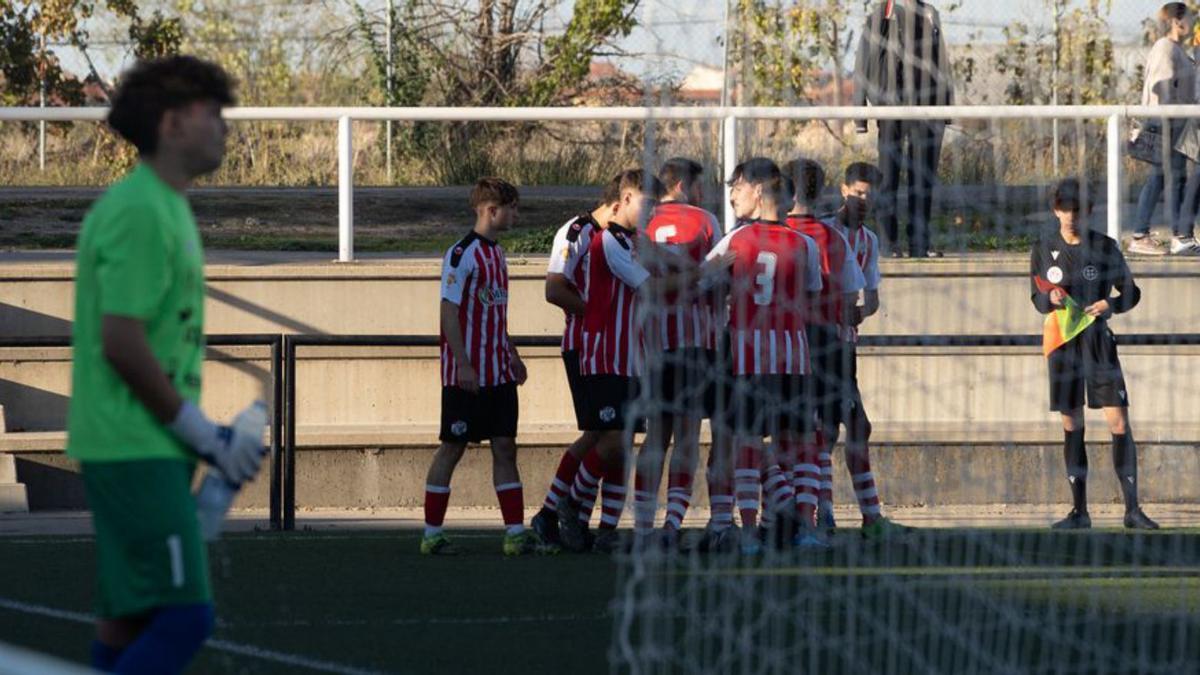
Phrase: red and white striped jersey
(840,273)
(612,340)
(568,257)
(864,246)
(773,271)
(475,277)
(682,319)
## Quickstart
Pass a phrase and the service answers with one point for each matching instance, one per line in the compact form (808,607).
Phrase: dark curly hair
(150,88)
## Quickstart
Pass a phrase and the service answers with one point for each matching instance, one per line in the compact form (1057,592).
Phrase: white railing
(729,116)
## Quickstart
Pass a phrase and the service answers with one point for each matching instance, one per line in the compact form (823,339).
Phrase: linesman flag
(1063,324)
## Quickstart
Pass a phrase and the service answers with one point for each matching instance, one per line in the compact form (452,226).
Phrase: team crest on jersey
(459,428)
(1054,275)
(1091,273)
(451,279)
(494,295)
(1054,254)
(608,414)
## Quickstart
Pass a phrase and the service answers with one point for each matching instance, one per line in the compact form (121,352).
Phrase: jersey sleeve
(871,276)
(812,265)
(456,270)
(1040,300)
(560,252)
(132,263)
(1123,282)
(619,255)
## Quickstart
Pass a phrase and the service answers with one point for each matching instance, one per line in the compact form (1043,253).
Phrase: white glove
(234,453)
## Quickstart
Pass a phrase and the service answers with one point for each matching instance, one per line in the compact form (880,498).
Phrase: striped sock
(746,478)
(825,465)
(645,502)
(777,494)
(864,485)
(587,484)
(720,498)
(560,486)
(679,498)
(437,499)
(512,507)
(613,494)
(807,482)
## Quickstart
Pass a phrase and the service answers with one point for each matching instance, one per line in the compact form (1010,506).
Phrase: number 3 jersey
(774,269)
(1087,271)
(475,278)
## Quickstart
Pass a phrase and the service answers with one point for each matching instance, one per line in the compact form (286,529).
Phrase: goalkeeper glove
(236,454)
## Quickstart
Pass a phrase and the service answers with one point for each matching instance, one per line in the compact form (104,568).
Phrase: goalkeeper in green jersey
(133,424)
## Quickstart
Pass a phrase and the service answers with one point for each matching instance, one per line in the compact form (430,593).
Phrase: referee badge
(1091,273)
(1054,275)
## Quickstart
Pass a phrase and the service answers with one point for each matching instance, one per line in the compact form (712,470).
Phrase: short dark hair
(1070,194)
(631,178)
(807,178)
(1169,11)
(150,88)
(680,170)
(492,190)
(761,171)
(861,172)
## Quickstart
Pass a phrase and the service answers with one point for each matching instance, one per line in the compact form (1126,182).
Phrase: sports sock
(560,485)
(512,507)
(720,497)
(437,499)
(587,484)
(1124,454)
(1075,456)
(679,498)
(746,478)
(612,503)
(778,493)
(859,464)
(825,464)
(169,642)
(807,483)
(104,657)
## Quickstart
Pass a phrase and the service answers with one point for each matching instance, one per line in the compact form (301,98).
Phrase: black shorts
(574,381)
(763,405)
(718,393)
(1088,364)
(471,418)
(679,382)
(835,392)
(609,403)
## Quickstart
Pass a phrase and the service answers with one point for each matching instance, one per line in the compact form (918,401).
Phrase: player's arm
(1128,293)
(456,273)
(561,293)
(812,275)
(133,276)
(872,278)
(564,257)
(1041,300)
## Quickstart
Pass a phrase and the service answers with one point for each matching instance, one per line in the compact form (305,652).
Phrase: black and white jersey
(1088,271)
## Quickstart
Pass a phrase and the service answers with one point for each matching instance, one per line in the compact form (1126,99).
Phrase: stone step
(8,469)
(13,498)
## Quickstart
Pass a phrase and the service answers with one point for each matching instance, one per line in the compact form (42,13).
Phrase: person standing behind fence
(1170,80)
(902,61)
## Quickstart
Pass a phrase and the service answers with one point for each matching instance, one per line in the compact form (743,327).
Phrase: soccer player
(1078,267)
(680,344)
(842,280)
(138,338)
(773,282)
(566,288)
(841,363)
(480,371)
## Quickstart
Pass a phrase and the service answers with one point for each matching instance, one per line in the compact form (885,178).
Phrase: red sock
(747,475)
(568,466)
(512,506)
(437,498)
(720,497)
(645,501)
(825,465)
(859,464)
(679,498)
(807,483)
(612,495)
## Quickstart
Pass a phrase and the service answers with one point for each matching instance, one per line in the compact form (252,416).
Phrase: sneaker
(810,540)
(607,541)
(882,528)
(545,524)
(751,543)
(782,531)
(438,544)
(669,540)
(1146,245)
(1075,520)
(1137,520)
(1185,246)
(573,532)
(718,539)
(825,521)
(525,543)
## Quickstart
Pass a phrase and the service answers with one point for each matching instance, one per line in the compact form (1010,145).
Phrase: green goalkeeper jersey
(139,256)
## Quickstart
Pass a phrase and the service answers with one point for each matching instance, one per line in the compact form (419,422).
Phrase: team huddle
(668,325)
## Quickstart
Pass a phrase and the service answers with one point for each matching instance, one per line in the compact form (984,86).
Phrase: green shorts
(148,543)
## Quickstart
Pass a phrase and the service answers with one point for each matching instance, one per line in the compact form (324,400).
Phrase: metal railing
(1115,116)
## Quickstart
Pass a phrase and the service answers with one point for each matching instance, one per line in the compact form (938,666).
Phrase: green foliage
(594,24)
